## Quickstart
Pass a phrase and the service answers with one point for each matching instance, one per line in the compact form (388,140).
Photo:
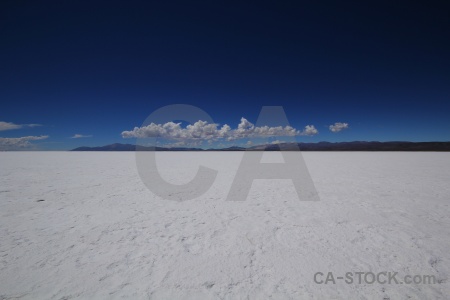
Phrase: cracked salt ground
(101,234)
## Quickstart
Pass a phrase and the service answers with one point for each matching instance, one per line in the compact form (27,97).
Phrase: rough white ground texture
(101,234)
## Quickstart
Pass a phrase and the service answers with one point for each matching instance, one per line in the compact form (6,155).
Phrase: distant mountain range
(130,147)
(321,146)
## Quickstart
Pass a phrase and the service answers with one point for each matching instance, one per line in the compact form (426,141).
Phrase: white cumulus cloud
(310,130)
(9,126)
(202,130)
(338,126)
(21,143)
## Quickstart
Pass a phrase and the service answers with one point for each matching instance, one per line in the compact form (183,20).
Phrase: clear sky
(93,70)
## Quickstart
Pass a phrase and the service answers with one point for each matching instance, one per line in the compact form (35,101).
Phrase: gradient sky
(100,68)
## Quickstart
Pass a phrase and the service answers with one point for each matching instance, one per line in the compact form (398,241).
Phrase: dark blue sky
(100,68)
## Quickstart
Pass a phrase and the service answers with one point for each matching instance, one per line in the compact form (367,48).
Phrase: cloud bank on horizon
(202,130)
(21,143)
(193,134)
